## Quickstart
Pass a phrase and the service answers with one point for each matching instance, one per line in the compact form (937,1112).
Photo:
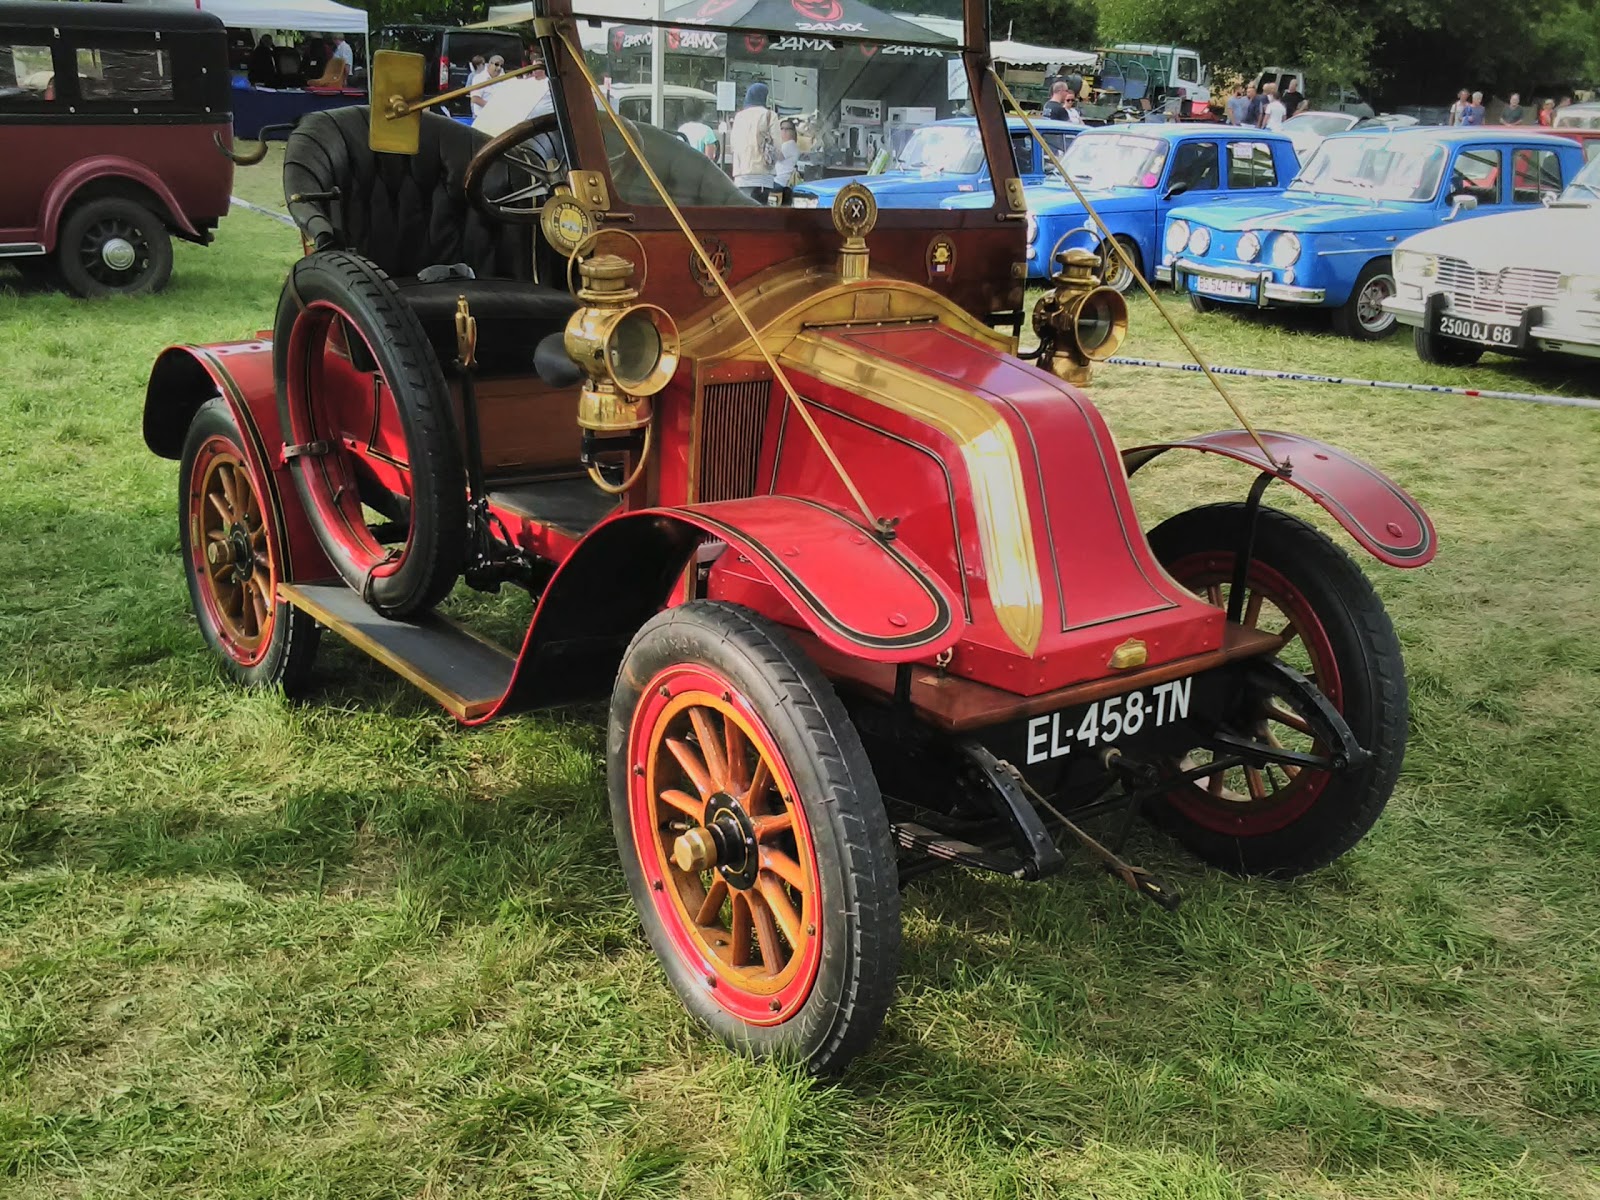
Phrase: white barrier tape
(1301,377)
(265,212)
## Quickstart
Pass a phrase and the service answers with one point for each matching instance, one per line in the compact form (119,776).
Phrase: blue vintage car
(1328,240)
(943,159)
(1133,174)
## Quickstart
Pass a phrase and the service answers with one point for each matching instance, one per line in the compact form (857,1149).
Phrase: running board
(462,672)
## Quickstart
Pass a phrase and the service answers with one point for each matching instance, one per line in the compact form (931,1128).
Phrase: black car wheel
(1362,316)
(114,247)
(1442,351)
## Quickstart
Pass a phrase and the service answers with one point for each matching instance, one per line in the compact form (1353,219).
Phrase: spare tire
(368,424)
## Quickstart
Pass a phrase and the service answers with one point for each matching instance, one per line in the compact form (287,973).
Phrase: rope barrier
(265,212)
(1303,377)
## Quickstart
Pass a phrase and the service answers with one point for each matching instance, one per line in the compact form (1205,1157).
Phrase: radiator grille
(1495,293)
(732,418)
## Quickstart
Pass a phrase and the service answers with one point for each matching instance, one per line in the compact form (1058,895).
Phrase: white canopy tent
(316,16)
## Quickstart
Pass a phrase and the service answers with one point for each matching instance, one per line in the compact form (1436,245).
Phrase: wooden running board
(465,674)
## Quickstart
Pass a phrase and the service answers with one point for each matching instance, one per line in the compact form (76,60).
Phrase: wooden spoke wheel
(753,836)
(367,414)
(1332,628)
(231,554)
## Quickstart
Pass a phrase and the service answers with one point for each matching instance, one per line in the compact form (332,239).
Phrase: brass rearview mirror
(396,85)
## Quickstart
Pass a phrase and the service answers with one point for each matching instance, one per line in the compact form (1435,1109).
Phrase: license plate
(1236,289)
(1488,333)
(1088,727)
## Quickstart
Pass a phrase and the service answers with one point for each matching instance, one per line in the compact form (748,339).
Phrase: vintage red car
(866,588)
(110,116)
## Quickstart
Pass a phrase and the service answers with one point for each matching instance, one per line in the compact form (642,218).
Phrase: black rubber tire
(859,883)
(1123,282)
(1202,304)
(435,550)
(292,643)
(1346,318)
(1373,681)
(1442,351)
(82,229)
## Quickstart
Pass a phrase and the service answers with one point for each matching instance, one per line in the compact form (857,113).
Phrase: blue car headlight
(1250,246)
(1177,237)
(1200,240)
(1033,229)
(1285,250)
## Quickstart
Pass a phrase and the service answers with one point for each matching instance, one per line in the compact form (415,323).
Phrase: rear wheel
(114,247)
(1280,820)
(368,417)
(1200,304)
(1113,271)
(232,554)
(1362,316)
(753,837)
(1442,351)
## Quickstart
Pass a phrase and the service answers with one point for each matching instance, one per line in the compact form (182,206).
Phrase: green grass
(345,949)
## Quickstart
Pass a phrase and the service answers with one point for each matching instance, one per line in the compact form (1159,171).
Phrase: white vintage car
(1517,283)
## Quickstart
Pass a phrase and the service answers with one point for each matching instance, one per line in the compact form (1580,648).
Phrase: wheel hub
(118,253)
(727,842)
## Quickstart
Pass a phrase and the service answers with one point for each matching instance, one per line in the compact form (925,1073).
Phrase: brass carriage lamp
(1080,320)
(627,351)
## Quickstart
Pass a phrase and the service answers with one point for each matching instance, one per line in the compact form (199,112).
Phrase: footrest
(919,839)
(461,671)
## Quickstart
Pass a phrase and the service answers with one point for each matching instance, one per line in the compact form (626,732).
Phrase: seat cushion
(512,314)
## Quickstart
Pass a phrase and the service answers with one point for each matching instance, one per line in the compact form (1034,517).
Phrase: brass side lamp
(1080,320)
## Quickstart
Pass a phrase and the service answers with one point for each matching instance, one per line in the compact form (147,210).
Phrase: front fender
(795,561)
(1378,513)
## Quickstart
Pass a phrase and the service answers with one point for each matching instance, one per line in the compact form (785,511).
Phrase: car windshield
(1321,124)
(1376,168)
(795,90)
(1585,186)
(1116,160)
(941,150)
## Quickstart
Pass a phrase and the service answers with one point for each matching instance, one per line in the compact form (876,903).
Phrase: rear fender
(797,562)
(183,379)
(1378,513)
(109,169)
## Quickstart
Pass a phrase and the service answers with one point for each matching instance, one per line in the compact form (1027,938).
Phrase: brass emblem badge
(721,258)
(941,258)
(855,211)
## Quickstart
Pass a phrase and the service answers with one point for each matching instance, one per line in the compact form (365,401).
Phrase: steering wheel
(528,148)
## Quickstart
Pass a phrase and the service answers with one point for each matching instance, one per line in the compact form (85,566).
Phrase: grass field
(343,949)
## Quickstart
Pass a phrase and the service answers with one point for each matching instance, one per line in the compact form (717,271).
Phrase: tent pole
(658,70)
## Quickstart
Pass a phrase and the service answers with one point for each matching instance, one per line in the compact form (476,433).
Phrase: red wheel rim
(1250,801)
(230,551)
(349,415)
(750,925)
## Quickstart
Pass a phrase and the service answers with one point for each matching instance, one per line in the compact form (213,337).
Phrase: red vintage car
(110,116)
(865,586)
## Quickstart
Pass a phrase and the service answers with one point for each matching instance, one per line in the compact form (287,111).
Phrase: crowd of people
(311,64)
(1469,109)
(1266,107)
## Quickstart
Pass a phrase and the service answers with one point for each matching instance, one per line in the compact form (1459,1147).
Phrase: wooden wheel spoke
(1284,717)
(772,956)
(735,750)
(781,865)
(216,535)
(711,748)
(1252,610)
(226,481)
(711,907)
(1214,594)
(684,803)
(759,784)
(692,766)
(777,900)
(1215,783)
(1256,784)
(1288,633)
(768,828)
(221,505)
(741,953)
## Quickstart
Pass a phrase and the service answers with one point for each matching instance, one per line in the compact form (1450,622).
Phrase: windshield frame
(1331,146)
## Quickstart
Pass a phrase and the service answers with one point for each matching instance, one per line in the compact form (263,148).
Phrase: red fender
(103,166)
(184,378)
(1375,510)
(794,561)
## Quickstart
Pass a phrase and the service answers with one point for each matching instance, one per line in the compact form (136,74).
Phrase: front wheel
(232,553)
(1442,351)
(1362,316)
(753,837)
(1281,820)
(1114,272)
(1201,304)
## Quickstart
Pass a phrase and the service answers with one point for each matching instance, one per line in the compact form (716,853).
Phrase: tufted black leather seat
(410,212)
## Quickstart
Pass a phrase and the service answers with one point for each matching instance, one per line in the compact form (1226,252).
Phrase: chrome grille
(1495,293)
(732,418)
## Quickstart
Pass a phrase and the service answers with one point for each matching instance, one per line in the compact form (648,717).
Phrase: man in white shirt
(787,169)
(343,53)
(752,146)
(1272,112)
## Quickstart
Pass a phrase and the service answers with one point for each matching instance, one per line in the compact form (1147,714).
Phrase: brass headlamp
(1080,320)
(627,351)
